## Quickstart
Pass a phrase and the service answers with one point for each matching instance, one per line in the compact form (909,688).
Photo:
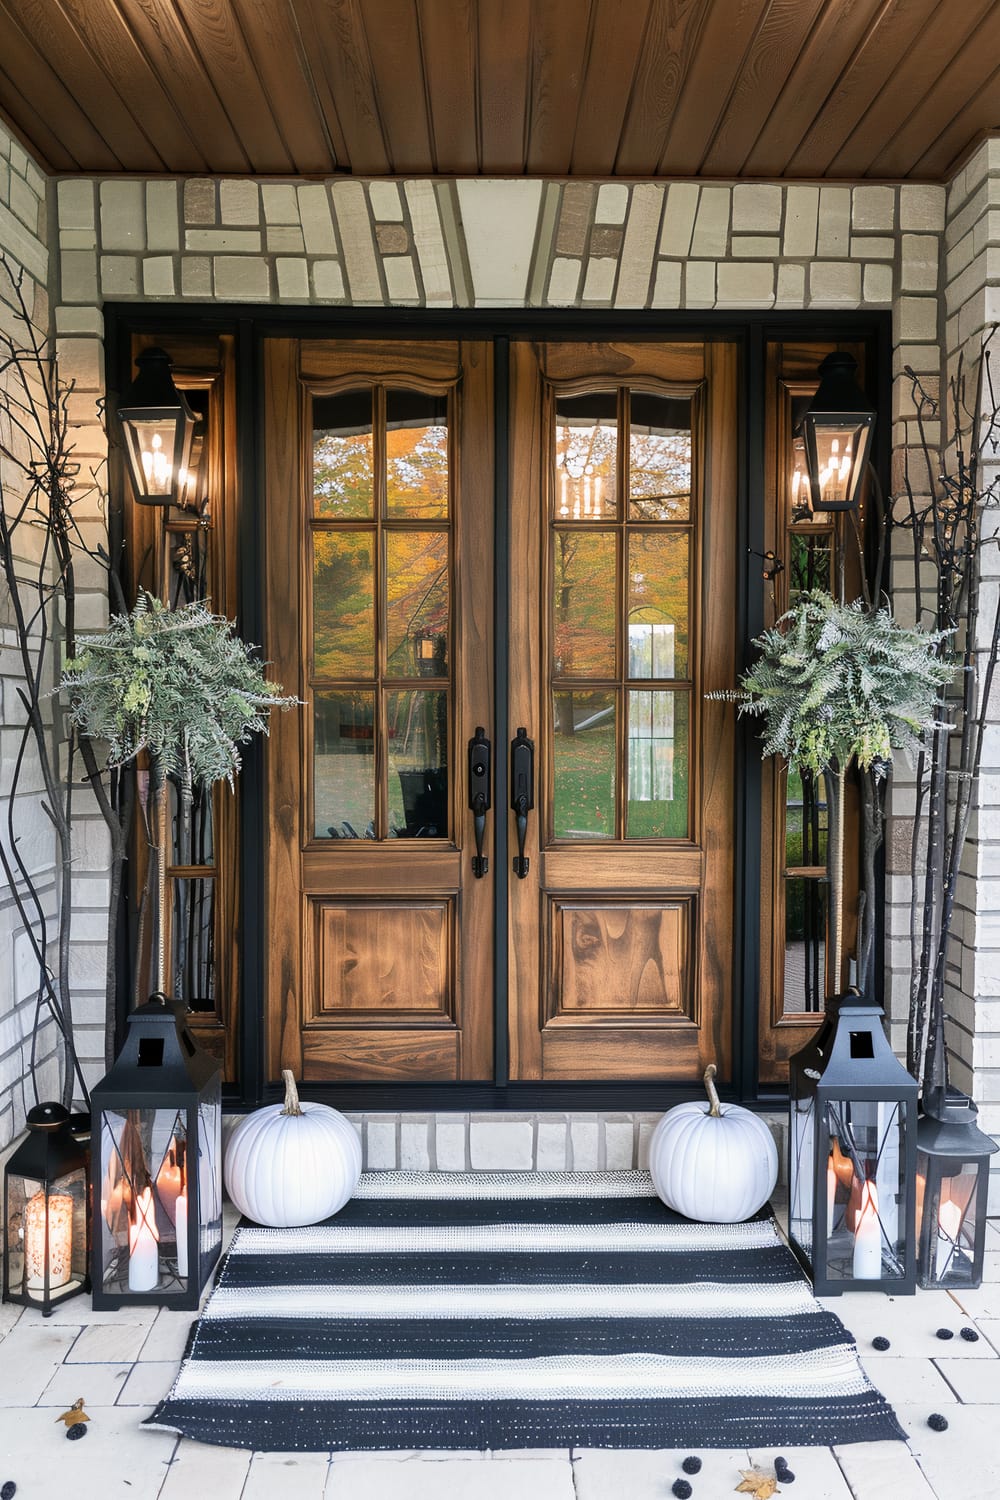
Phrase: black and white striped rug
(517,1310)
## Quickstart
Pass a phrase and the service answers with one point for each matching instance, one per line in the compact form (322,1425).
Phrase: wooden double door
(614,594)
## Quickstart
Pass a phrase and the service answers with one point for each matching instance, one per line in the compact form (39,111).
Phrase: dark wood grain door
(380,579)
(623,616)
(379,615)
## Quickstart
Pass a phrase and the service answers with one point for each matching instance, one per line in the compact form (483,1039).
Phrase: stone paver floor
(122,1363)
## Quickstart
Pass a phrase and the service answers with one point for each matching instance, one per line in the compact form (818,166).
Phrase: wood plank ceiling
(595,88)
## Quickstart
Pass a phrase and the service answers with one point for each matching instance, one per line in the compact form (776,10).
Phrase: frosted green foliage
(179,684)
(836,682)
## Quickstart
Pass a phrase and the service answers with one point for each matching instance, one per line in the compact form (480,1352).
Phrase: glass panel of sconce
(586,487)
(659,484)
(416,451)
(417,736)
(343,456)
(344,764)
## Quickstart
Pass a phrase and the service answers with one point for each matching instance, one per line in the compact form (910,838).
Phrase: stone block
(873,208)
(25,248)
(747,284)
(757,206)
(641,233)
(619,1145)
(872,247)
(285,237)
(241,278)
(119,276)
(415,1145)
(199,201)
(667,284)
(921,206)
(428,239)
(501,1144)
(791,286)
(123,216)
(699,283)
(711,225)
(239,203)
(281,206)
(564,282)
(500,220)
(451,1144)
(832,282)
(81,362)
(600,281)
(755,246)
(235,241)
(920,262)
(834,222)
(196,276)
(385,201)
(392,239)
(381,1149)
(400,279)
(75,199)
(552,1144)
(916,319)
(678,219)
(575,213)
(585,1143)
(158,276)
(293,279)
(328,281)
(801,220)
(317,220)
(23,202)
(162,216)
(612,203)
(877,284)
(355,230)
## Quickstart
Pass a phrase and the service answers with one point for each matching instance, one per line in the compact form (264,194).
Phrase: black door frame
(251,326)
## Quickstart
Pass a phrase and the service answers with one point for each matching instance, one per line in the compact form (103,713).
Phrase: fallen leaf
(75,1414)
(758,1483)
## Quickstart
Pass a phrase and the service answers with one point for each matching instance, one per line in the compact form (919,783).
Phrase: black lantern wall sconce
(158,427)
(837,432)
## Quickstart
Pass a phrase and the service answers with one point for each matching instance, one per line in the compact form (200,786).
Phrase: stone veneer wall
(501,243)
(24,241)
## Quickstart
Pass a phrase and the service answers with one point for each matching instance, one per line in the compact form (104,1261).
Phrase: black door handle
(480,795)
(522,792)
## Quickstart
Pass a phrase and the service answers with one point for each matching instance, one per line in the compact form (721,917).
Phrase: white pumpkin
(293,1163)
(716,1165)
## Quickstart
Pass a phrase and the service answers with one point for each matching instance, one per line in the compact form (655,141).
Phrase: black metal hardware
(480,797)
(522,792)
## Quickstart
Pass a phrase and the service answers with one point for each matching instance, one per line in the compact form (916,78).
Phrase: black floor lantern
(46,1213)
(852,1155)
(953,1175)
(157,1163)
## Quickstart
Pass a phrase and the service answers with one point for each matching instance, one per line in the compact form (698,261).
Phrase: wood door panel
(380,950)
(619,964)
(620,947)
(383,963)
(390,1056)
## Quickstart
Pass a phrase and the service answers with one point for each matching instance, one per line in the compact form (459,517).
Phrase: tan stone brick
(791,286)
(162,216)
(711,225)
(600,282)
(667,285)
(119,276)
(834,223)
(877,283)
(921,206)
(239,203)
(232,240)
(916,318)
(500,219)
(755,246)
(400,279)
(355,230)
(574,218)
(328,281)
(872,247)
(385,201)
(23,202)
(564,282)
(919,262)
(240,278)
(75,198)
(429,241)
(873,208)
(123,216)
(801,220)
(834,282)
(80,239)
(199,201)
(158,276)
(612,203)
(748,284)
(392,239)
(605,241)
(678,218)
(757,206)
(196,276)
(284,237)
(699,283)
(641,233)
(281,206)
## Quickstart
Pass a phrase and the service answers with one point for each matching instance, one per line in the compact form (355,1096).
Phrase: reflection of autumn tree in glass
(584,599)
(342,474)
(658,592)
(417,470)
(417,601)
(343,604)
(659,475)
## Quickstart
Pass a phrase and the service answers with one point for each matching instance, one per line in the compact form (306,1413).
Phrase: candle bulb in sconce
(868,1237)
(57,1255)
(949,1225)
(831,1196)
(143,1252)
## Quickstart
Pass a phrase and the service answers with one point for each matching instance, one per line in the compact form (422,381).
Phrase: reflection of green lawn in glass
(585,774)
(584,793)
(344,791)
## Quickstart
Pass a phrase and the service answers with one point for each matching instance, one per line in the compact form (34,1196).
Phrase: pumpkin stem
(710,1089)
(292,1105)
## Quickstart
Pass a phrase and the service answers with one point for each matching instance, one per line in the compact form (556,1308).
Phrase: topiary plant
(181,686)
(842,684)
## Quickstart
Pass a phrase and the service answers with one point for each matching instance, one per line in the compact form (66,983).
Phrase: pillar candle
(181,1228)
(143,1255)
(949,1224)
(60,1247)
(868,1237)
